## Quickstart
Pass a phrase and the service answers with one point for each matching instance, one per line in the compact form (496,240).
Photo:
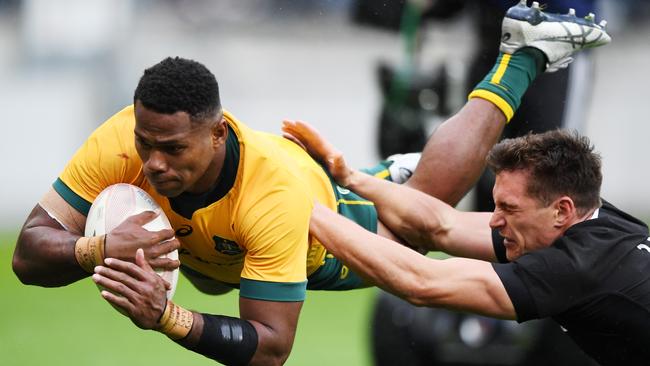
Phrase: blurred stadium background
(67,65)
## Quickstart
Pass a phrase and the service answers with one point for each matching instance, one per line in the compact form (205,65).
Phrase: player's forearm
(414,216)
(416,278)
(44,254)
(454,156)
(235,341)
(383,262)
(230,341)
(273,347)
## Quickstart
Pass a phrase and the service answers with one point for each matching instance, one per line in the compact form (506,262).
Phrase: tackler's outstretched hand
(319,148)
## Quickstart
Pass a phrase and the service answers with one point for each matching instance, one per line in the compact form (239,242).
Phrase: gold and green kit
(252,230)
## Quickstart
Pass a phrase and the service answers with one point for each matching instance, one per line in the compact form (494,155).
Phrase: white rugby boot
(557,35)
(402,166)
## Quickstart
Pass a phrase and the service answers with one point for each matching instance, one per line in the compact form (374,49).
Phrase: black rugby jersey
(594,281)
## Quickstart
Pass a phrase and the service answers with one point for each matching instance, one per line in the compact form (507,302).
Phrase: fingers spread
(293,139)
(288,125)
(143,217)
(168,246)
(162,236)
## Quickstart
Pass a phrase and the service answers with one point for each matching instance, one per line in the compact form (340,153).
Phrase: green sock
(380,170)
(509,79)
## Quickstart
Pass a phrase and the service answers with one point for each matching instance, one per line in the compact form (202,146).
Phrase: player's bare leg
(454,156)
(465,139)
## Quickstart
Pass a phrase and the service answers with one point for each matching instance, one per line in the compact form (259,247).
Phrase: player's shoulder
(609,230)
(620,220)
(273,170)
(115,136)
(120,124)
(107,156)
(266,153)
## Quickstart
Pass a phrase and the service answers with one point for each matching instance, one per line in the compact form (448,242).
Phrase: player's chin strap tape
(231,341)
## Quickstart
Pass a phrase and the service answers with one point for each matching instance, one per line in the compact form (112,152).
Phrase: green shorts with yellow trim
(333,274)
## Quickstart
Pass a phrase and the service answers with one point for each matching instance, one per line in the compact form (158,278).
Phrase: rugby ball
(118,202)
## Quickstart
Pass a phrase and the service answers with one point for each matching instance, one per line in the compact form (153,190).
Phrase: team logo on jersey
(226,246)
(184,230)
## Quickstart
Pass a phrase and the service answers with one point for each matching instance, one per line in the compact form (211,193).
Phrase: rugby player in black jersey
(552,248)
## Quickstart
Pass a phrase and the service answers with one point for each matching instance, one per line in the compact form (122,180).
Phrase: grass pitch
(73,325)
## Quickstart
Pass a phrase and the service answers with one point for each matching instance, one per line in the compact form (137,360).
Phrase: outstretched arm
(425,221)
(421,220)
(456,283)
(451,162)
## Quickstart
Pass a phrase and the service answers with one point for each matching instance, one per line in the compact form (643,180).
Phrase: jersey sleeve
(275,233)
(542,283)
(107,157)
(522,300)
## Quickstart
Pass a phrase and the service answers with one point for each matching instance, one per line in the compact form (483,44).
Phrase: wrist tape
(175,322)
(89,251)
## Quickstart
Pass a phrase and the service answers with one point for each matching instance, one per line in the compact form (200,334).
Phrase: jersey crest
(226,246)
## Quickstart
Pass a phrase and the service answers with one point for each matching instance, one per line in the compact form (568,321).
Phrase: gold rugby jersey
(251,233)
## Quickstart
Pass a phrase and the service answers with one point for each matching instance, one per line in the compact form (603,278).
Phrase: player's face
(522,220)
(179,155)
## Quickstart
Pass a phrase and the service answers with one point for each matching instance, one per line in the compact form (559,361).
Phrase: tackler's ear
(565,211)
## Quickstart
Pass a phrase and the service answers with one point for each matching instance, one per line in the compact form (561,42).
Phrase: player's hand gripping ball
(118,202)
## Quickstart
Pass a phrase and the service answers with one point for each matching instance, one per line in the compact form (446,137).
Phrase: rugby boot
(558,36)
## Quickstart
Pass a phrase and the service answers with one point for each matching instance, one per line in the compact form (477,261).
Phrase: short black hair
(179,85)
(560,162)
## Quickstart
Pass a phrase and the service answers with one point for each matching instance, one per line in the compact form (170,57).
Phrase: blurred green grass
(73,325)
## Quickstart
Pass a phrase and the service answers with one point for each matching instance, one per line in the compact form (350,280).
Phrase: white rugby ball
(118,202)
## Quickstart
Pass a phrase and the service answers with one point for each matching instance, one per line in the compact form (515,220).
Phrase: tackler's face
(178,155)
(524,221)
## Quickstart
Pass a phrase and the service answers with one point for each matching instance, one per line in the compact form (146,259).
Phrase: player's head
(180,131)
(545,183)
(179,85)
